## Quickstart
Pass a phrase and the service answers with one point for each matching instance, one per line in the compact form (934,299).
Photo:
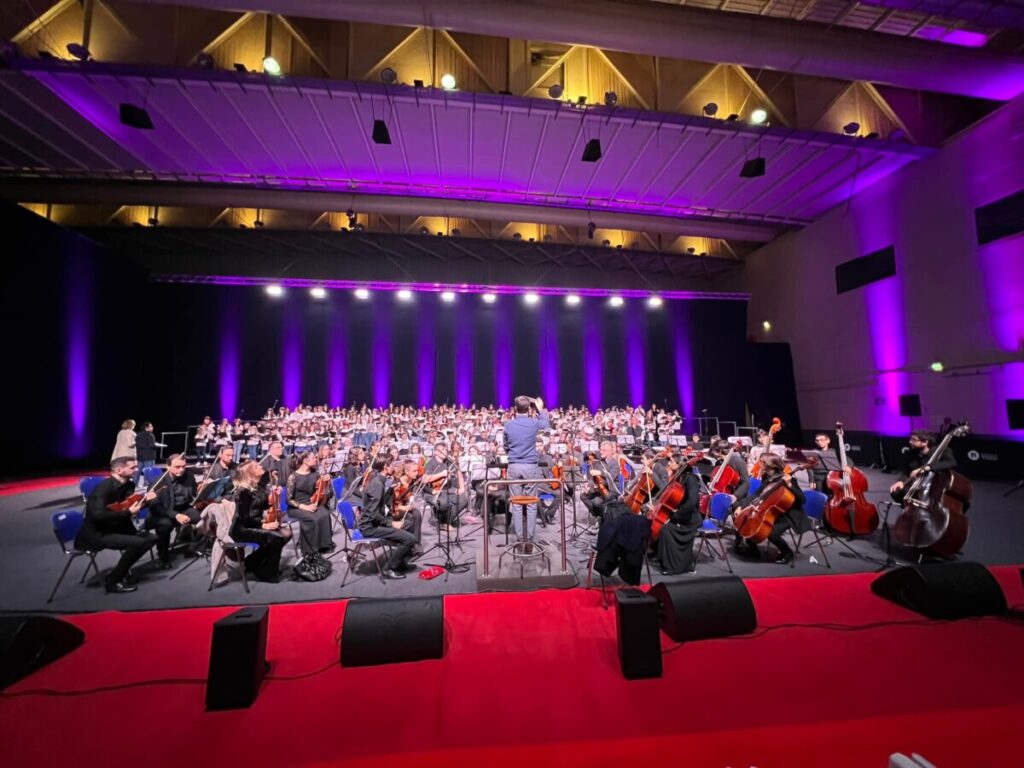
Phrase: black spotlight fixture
(691,251)
(851,129)
(611,99)
(872,135)
(456,232)
(154,221)
(592,152)
(582,101)
(258,224)
(555,91)
(517,236)
(388,76)
(424,231)
(753,168)
(417,83)
(205,60)
(591,228)
(240,68)
(710,109)
(732,118)
(135,117)
(381,134)
(79,51)
(606,243)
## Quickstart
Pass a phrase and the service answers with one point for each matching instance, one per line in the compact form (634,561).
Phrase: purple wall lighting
(381,359)
(502,355)
(336,356)
(78,295)
(547,329)
(426,354)
(636,353)
(229,366)
(884,305)
(593,355)
(682,356)
(291,356)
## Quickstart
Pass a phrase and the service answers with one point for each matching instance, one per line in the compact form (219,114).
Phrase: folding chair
(356,543)
(712,530)
(66,526)
(814,508)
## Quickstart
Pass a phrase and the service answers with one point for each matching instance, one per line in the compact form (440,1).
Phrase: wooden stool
(524,549)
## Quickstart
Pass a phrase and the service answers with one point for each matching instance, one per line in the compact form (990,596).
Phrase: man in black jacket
(922,444)
(146,445)
(374,522)
(106,529)
(172,507)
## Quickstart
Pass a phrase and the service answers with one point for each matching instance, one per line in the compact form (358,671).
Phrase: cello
(935,506)
(725,480)
(756,521)
(848,511)
(671,497)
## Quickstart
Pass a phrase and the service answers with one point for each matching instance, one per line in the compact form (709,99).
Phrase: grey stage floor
(31,561)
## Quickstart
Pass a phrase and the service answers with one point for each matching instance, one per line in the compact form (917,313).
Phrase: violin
(755,471)
(556,472)
(273,513)
(402,498)
(756,521)
(135,498)
(848,511)
(935,506)
(320,494)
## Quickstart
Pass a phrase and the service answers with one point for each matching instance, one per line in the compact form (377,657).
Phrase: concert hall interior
(515,349)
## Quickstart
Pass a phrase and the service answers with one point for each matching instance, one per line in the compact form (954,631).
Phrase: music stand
(211,493)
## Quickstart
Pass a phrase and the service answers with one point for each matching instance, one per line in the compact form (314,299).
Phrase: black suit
(105,529)
(915,460)
(592,498)
(374,523)
(174,496)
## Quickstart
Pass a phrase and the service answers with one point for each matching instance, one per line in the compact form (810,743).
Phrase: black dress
(314,527)
(675,544)
(265,562)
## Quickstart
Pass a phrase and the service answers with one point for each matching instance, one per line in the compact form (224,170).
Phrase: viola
(756,521)
(755,471)
(320,494)
(556,472)
(135,498)
(273,513)
(402,497)
(848,511)
(600,483)
(935,506)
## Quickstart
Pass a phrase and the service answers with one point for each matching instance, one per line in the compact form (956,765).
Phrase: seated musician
(105,528)
(314,519)
(659,468)
(276,461)
(250,523)
(353,473)
(922,443)
(224,465)
(828,461)
(404,514)
(773,470)
(719,450)
(448,495)
(762,445)
(675,544)
(604,472)
(374,522)
(172,507)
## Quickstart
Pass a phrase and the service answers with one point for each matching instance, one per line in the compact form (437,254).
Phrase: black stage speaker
(28,643)
(698,609)
(238,659)
(383,631)
(910,405)
(636,623)
(943,590)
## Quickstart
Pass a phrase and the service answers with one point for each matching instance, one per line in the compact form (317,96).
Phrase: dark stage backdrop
(92,342)
(234,351)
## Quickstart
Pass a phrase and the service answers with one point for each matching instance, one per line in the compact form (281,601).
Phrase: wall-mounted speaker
(1015,413)
(910,405)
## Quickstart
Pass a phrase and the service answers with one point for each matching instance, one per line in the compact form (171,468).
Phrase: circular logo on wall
(973,455)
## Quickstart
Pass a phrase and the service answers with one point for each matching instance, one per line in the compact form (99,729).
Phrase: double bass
(848,511)
(756,521)
(755,471)
(935,506)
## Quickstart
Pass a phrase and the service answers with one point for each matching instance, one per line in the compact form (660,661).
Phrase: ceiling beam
(661,29)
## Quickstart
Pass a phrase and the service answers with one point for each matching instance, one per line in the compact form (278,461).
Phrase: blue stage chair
(356,543)
(713,530)
(66,526)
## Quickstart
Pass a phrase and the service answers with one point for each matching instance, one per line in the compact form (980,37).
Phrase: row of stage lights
(449,297)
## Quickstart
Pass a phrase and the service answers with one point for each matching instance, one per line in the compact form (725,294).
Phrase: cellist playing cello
(773,471)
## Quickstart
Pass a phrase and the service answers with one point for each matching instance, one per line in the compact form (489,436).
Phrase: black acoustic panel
(910,405)
(699,609)
(28,643)
(865,270)
(1015,413)
(943,590)
(636,622)
(1000,219)
(238,659)
(385,631)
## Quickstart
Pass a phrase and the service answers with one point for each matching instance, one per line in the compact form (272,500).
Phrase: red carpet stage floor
(834,676)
